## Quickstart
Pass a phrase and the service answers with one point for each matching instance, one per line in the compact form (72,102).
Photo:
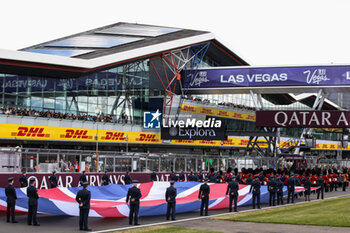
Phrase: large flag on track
(109,201)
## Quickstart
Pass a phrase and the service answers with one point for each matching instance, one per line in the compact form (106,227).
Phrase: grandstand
(71,102)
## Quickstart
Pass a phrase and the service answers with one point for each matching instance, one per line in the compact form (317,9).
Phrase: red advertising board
(72,179)
(303,119)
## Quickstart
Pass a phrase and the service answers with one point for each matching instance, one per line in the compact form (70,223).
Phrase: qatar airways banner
(67,180)
(268,76)
(303,119)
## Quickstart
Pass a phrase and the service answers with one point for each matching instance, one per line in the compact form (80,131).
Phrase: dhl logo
(184,141)
(237,115)
(30,132)
(207,142)
(245,142)
(207,111)
(71,133)
(147,138)
(251,117)
(117,136)
(229,142)
(223,113)
(188,108)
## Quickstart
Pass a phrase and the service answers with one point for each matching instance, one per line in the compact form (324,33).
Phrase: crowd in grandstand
(227,104)
(67,116)
(237,106)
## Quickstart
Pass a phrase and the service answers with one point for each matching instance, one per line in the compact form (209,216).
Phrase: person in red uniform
(244,177)
(325,178)
(313,180)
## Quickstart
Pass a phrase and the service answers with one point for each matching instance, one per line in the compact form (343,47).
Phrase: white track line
(211,216)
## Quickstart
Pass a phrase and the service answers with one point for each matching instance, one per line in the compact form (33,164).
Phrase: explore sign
(303,119)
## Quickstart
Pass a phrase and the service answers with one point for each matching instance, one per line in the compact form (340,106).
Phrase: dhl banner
(73,134)
(243,142)
(217,112)
(20,132)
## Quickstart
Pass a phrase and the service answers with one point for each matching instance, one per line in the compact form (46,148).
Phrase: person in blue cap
(170,197)
(53,180)
(203,195)
(23,180)
(105,179)
(11,195)
(232,191)
(255,187)
(32,193)
(134,195)
(279,190)
(271,187)
(83,198)
(291,189)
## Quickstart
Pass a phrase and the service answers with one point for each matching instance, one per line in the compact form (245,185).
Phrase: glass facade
(114,91)
(124,89)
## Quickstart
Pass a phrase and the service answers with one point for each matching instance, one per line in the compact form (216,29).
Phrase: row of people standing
(83,197)
(32,194)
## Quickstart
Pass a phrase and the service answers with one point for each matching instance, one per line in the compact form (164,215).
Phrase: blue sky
(264,32)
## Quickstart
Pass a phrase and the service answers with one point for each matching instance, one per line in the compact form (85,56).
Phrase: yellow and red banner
(13,131)
(217,112)
(21,132)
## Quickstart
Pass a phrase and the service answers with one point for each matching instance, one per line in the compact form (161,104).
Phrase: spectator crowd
(68,116)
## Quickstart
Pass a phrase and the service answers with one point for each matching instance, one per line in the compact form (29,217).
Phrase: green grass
(334,212)
(165,229)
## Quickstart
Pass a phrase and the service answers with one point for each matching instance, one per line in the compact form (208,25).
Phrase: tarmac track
(61,223)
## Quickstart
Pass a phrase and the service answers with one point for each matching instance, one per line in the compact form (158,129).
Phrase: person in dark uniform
(23,180)
(127,178)
(291,189)
(134,195)
(255,186)
(105,179)
(170,197)
(203,195)
(212,176)
(173,176)
(307,187)
(82,178)
(232,191)
(200,176)
(53,180)
(83,198)
(11,195)
(182,176)
(271,187)
(32,193)
(279,191)
(191,176)
(320,185)
(249,180)
(154,176)
(195,176)
(296,183)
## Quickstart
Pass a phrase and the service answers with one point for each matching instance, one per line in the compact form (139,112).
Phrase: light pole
(97,165)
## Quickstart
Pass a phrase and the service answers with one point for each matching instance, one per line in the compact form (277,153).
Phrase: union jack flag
(109,201)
